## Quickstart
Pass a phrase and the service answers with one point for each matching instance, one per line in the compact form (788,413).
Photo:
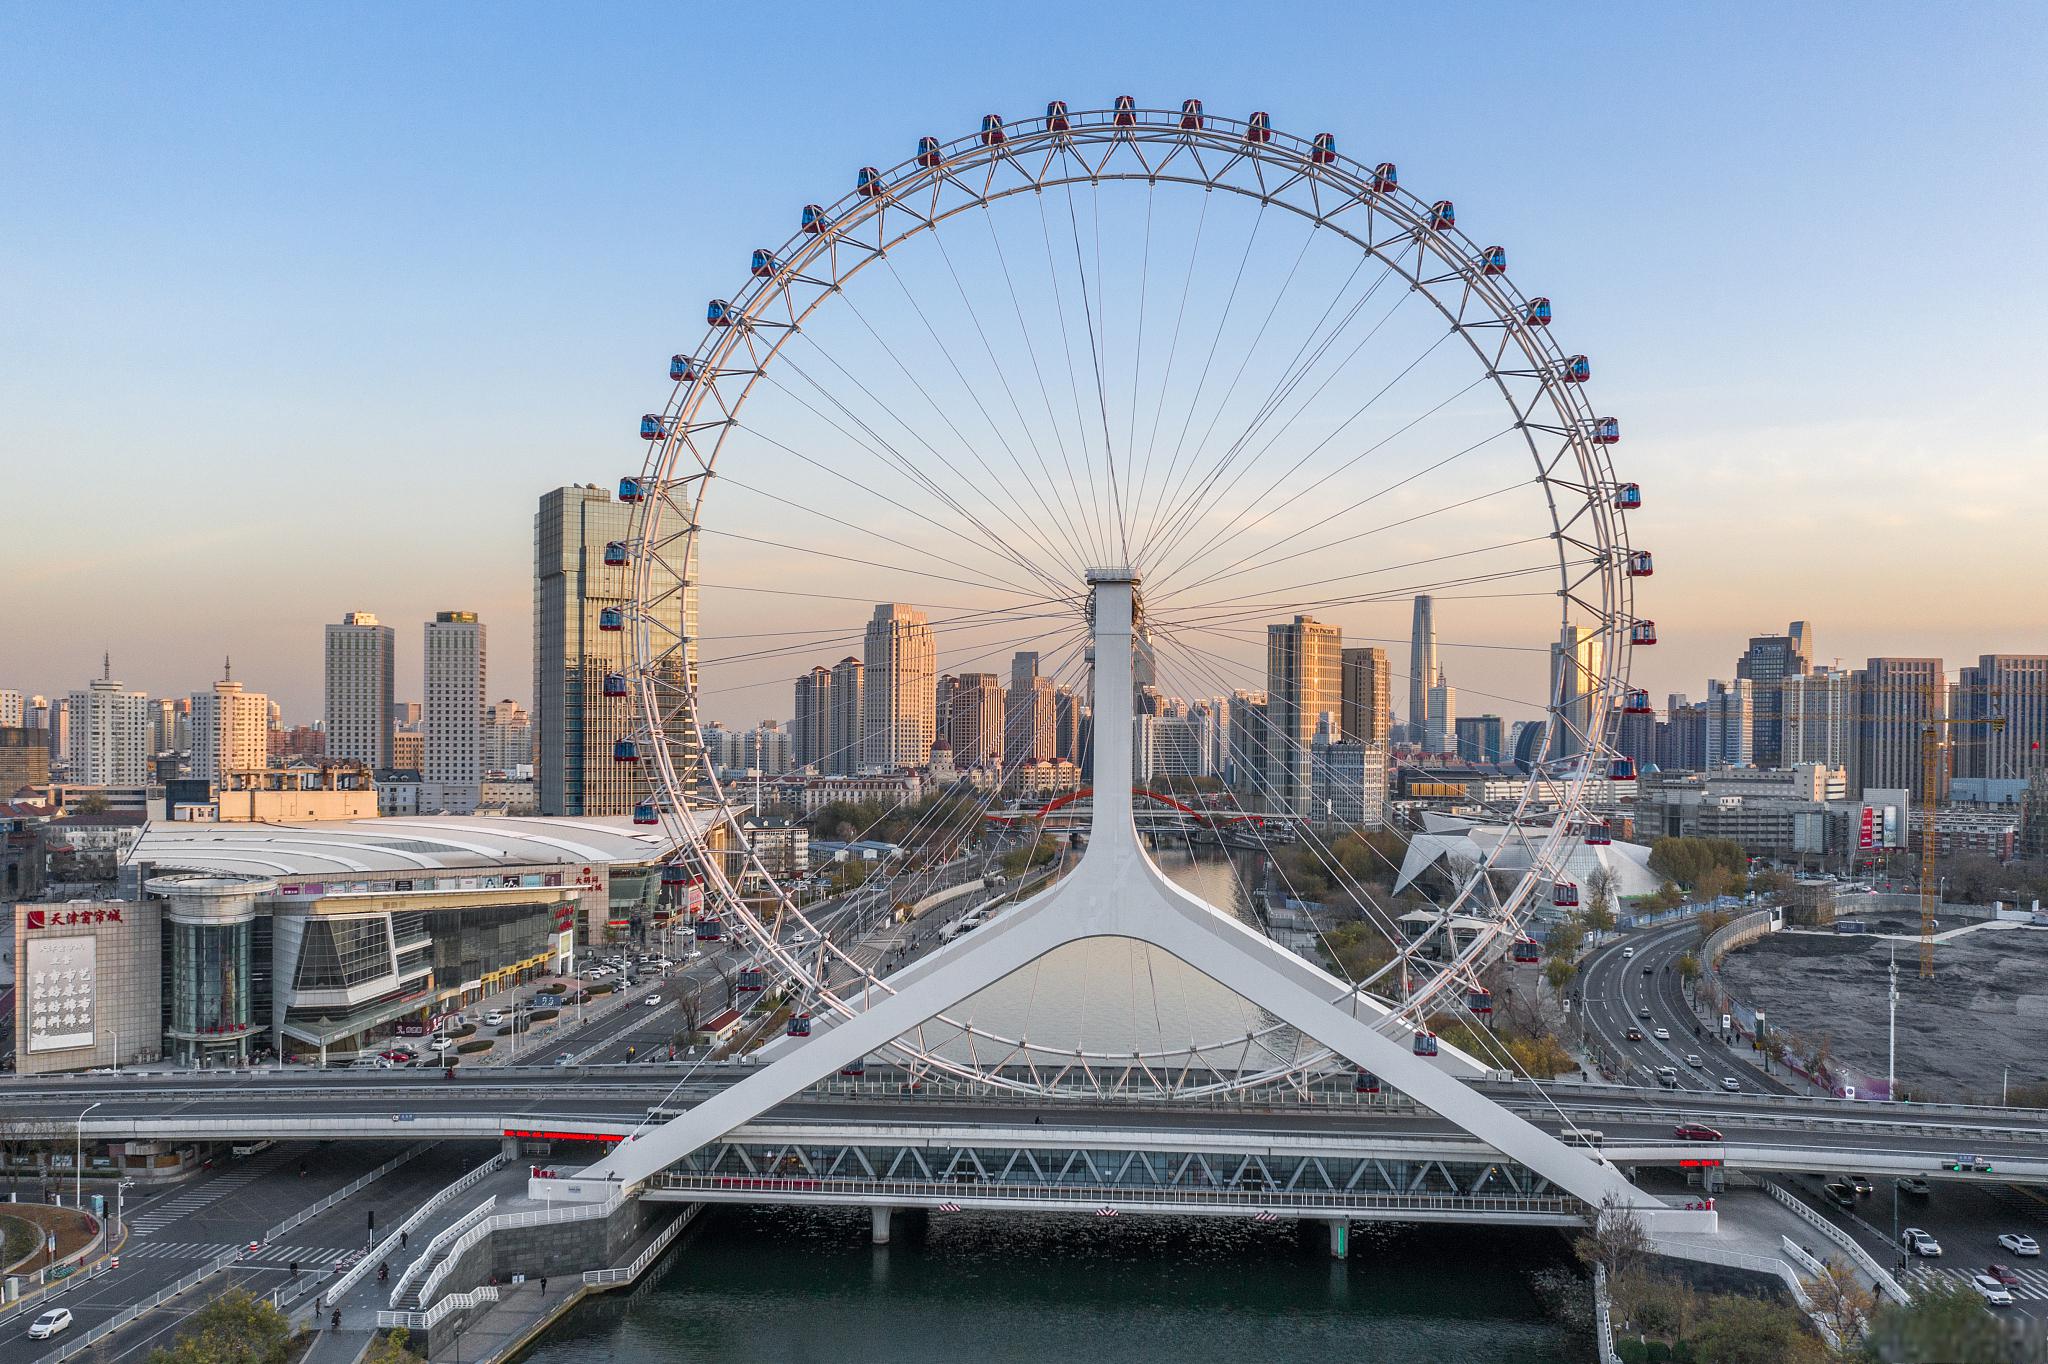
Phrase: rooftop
(421,843)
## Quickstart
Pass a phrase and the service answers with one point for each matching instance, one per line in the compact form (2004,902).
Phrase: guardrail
(426,1321)
(1879,1275)
(340,1287)
(355,1186)
(508,1221)
(1603,1317)
(605,1278)
(441,1242)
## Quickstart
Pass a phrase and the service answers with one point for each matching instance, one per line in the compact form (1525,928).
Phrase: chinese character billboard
(62,981)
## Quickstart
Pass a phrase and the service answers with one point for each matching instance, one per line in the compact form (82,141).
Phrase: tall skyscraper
(811,743)
(1441,736)
(508,736)
(1768,661)
(1731,724)
(108,742)
(1368,699)
(1895,697)
(900,677)
(849,719)
(1068,709)
(1816,714)
(230,730)
(457,681)
(2013,688)
(1421,667)
(976,723)
(10,710)
(942,707)
(1304,680)
(359,662)
(575,723)
(1480,738)
(1682,738)
(1030,714)
(1575,662)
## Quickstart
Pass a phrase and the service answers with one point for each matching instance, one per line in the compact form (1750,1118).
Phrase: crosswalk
(2032,1275)
(306,1257)
(204,1194)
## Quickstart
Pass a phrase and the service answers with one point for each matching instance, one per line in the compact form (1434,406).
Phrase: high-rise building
(767,749)
(1441,735)
(53,718)
(108,743)
(1422,670)
(2012,688)
(1351,785)
(1068,709)
(942,708)
(1731,721)
(230,731)
(1167,750)
(1247,767)
(1368,698)
(811,742)
(976,723)
(849,720)
(10,710)
(24,761)
(1304,679)
(359,672)
(900,680)
(576,725)
(1575,662)
(1768,661)
(1682,738)
(1030,715)
(508,737)
(1480,738)
(1895,699)
(457,681)
(1816,718)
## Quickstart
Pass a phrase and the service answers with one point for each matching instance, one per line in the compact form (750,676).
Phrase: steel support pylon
(1117,891)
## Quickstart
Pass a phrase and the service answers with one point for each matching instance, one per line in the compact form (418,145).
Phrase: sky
(303,308)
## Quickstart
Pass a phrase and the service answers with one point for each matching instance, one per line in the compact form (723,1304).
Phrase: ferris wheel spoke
(1249,507)
(1099,501)
(1088,313)
(1183,495)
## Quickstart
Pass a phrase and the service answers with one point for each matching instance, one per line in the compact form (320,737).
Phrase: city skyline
(1731,562)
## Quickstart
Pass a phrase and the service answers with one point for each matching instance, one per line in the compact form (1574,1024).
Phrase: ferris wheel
(1280,389)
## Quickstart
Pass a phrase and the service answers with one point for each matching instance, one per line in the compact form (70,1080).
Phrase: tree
(235,1328)
(1839,1296)
(1559,972)
(1946,1320)
(1739,1330)
(1615,1240)
(1668,896)
(395,1348)
(1688,968)
(1566,938)
(1599,911)
(1713,883)
(1770,881)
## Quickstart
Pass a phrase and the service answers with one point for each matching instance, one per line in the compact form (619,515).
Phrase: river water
(761,1286)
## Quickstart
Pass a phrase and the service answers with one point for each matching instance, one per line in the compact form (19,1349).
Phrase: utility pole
(1891,1072)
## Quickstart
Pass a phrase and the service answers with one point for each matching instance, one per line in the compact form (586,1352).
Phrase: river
(763,1286)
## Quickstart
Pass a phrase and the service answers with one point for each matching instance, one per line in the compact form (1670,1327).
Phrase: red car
(1693,1131)
(2001,1273)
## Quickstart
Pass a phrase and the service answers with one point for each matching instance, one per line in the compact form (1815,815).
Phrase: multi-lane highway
(1635,974)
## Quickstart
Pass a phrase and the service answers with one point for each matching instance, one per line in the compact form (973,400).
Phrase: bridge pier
(1340,1238)
(879,1223)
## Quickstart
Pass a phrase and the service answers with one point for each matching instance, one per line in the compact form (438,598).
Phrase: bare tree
(1840,1297)
(1614,1240)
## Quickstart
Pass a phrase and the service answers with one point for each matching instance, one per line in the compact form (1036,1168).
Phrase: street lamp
(78,1154)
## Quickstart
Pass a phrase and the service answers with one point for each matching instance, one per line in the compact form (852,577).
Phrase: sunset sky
(301,309)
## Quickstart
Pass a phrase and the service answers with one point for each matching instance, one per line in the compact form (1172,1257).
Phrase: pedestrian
(543,1285)
(401,1240)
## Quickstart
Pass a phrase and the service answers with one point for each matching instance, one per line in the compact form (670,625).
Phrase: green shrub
(543,1015)
(470,1048)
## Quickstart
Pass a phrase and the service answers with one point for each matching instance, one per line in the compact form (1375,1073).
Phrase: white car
(1731,1084)
(1995,1293)
(50,1323)
(2018,1244)
(496,1018)
(1920,1243)
(1662,1034)
(1628,953)
(653,1001)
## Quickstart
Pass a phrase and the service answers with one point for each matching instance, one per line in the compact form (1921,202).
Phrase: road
(1616,988)
(174,1231)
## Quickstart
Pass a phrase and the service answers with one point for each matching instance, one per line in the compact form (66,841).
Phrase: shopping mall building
(230,942)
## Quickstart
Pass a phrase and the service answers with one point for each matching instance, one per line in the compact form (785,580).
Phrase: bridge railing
(340,1287)
(507,1221)
(1879,1275)
(440,1243)
(1603,1317)
(934,1192)
(600,1278)
(439,1312)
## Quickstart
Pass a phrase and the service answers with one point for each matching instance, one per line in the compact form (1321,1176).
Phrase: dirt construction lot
(1985,1009)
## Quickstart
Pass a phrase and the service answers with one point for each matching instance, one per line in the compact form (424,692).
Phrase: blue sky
(303,308)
